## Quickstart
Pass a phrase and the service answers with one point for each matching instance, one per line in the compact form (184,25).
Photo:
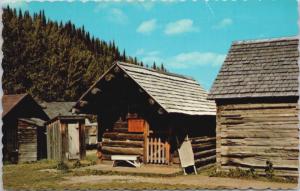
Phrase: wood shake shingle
(259,68)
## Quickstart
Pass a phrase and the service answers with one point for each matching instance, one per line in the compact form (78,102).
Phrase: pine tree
(52,60)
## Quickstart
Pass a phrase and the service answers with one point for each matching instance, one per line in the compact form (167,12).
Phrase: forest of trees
(53,61)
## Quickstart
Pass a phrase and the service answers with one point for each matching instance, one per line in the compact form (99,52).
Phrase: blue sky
(190,38)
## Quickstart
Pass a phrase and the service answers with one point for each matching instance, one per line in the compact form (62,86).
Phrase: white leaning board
(186,154)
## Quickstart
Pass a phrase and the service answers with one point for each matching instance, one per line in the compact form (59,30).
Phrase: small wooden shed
(256,92)
(148,113)
(65,132)
(24,138)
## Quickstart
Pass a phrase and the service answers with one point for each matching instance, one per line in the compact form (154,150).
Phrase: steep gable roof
(174,93)
(22,106)
(10,101)
(259,68)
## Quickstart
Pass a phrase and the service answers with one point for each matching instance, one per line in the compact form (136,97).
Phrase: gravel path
(194,180)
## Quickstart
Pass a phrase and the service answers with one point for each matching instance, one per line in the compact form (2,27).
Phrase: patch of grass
(123,185)
(29,176)
(249,174)
(101,172)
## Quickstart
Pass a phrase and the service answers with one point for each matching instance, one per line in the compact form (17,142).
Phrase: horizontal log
(259,162)
(205,152)
(258,106)
(261,142)
(259,126)
(203,145)
(256,134)
(121,150)
(123,143)
(202,140)
(120,130)
(245,151)
(206,159)
(123,136)
(262,111)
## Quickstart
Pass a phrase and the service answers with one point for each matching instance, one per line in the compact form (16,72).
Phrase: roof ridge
(160,72)
(250,41)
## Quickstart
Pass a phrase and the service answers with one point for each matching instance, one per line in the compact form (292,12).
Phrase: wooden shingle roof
(259,68)
(174,93)
(54,109)
(10,101)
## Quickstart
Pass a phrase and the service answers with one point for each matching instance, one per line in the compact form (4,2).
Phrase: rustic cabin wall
(250,134)
(27,142)
(120,141)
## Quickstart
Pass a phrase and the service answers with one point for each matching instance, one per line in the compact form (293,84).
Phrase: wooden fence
(158,152)
(204,149)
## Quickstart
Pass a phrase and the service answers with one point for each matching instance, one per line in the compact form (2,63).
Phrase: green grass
(25,176)
(101,172)
(247,174)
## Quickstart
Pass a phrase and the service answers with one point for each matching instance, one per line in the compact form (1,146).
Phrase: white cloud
(18,4)
(223,23)
(180,26)
(147,27)
(183,60)
(118,16)
(191,59)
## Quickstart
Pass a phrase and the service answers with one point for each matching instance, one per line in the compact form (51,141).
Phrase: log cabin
(149,113)
(65,132)
(256,93)
(24,138)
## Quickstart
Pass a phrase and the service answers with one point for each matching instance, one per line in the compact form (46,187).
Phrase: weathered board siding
(54,141)
(250,134)
(58,147)
(27,142)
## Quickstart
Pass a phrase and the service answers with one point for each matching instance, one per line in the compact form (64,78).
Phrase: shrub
(77,164)
(62,166)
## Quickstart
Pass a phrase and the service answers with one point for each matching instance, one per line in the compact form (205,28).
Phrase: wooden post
(151,150)
(159,150)
(167,146)
(155,150)
(146,144)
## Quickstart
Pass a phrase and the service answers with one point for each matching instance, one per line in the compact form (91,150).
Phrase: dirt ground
(190,180)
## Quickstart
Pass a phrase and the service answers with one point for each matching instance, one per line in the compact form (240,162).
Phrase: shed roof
(10,101)
(54,109)
(259,68)
(174,93)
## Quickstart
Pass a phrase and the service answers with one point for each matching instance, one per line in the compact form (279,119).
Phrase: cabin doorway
(73,140)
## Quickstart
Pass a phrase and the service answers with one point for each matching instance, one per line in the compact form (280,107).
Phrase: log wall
(204,149)
(250,134)
(119,141)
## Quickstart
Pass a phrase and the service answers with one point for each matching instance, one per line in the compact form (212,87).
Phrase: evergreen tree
(52,60)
